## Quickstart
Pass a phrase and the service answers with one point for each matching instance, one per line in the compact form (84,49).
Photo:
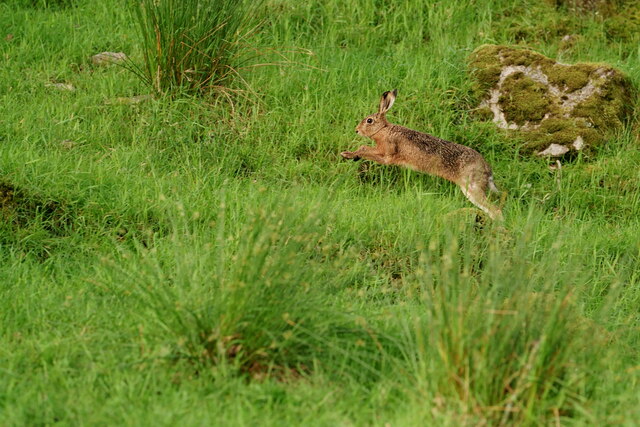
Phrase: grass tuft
(253,304)
(194,46)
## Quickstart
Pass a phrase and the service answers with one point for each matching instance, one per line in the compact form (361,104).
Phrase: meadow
(209,258)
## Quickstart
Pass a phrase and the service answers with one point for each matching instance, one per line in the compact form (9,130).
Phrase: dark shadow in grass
(46,4)
(372,174)
(21,209)
(30,222)
(36,224)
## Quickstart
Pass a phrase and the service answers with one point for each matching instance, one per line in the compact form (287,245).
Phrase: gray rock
(555,108)
(554,150)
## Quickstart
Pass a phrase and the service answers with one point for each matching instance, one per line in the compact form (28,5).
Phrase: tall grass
(504,344)
(194,46)
(248,299)
(489,327)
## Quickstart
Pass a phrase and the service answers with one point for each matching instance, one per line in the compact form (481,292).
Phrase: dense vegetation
(207,256)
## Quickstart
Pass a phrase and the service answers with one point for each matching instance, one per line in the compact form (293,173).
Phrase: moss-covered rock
(557,108)
(523,99)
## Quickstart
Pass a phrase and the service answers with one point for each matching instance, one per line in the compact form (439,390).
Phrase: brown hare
(398,145)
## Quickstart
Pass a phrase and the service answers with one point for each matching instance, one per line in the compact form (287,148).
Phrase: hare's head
(372,124)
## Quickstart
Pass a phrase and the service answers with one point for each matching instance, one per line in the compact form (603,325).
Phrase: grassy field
(203,259)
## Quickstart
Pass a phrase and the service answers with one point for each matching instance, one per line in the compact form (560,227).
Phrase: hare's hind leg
(477,195)
(492,185)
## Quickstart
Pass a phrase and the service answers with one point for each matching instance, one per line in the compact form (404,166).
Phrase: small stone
(569,41)
(108,58)
(68,144)
(554,150)
(578,144)
(61,86)
(132,100)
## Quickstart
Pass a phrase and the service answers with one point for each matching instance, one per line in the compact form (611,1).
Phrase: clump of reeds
(194,46)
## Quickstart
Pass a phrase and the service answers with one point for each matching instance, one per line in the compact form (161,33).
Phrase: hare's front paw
(349,155)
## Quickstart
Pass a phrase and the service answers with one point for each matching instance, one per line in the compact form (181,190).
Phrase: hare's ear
(387,100)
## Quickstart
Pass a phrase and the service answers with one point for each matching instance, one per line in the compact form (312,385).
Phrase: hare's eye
(369,120)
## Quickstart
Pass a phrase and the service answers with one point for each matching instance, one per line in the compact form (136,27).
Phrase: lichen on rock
(550,104)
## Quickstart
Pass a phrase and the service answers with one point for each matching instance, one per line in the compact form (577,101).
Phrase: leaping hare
(398,145)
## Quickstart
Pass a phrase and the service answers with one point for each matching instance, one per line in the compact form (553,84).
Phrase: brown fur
(398,145)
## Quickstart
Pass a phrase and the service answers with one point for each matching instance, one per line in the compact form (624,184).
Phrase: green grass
(194,46)
(189,261)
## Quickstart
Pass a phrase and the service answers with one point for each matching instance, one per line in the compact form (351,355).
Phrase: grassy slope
(172,221)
